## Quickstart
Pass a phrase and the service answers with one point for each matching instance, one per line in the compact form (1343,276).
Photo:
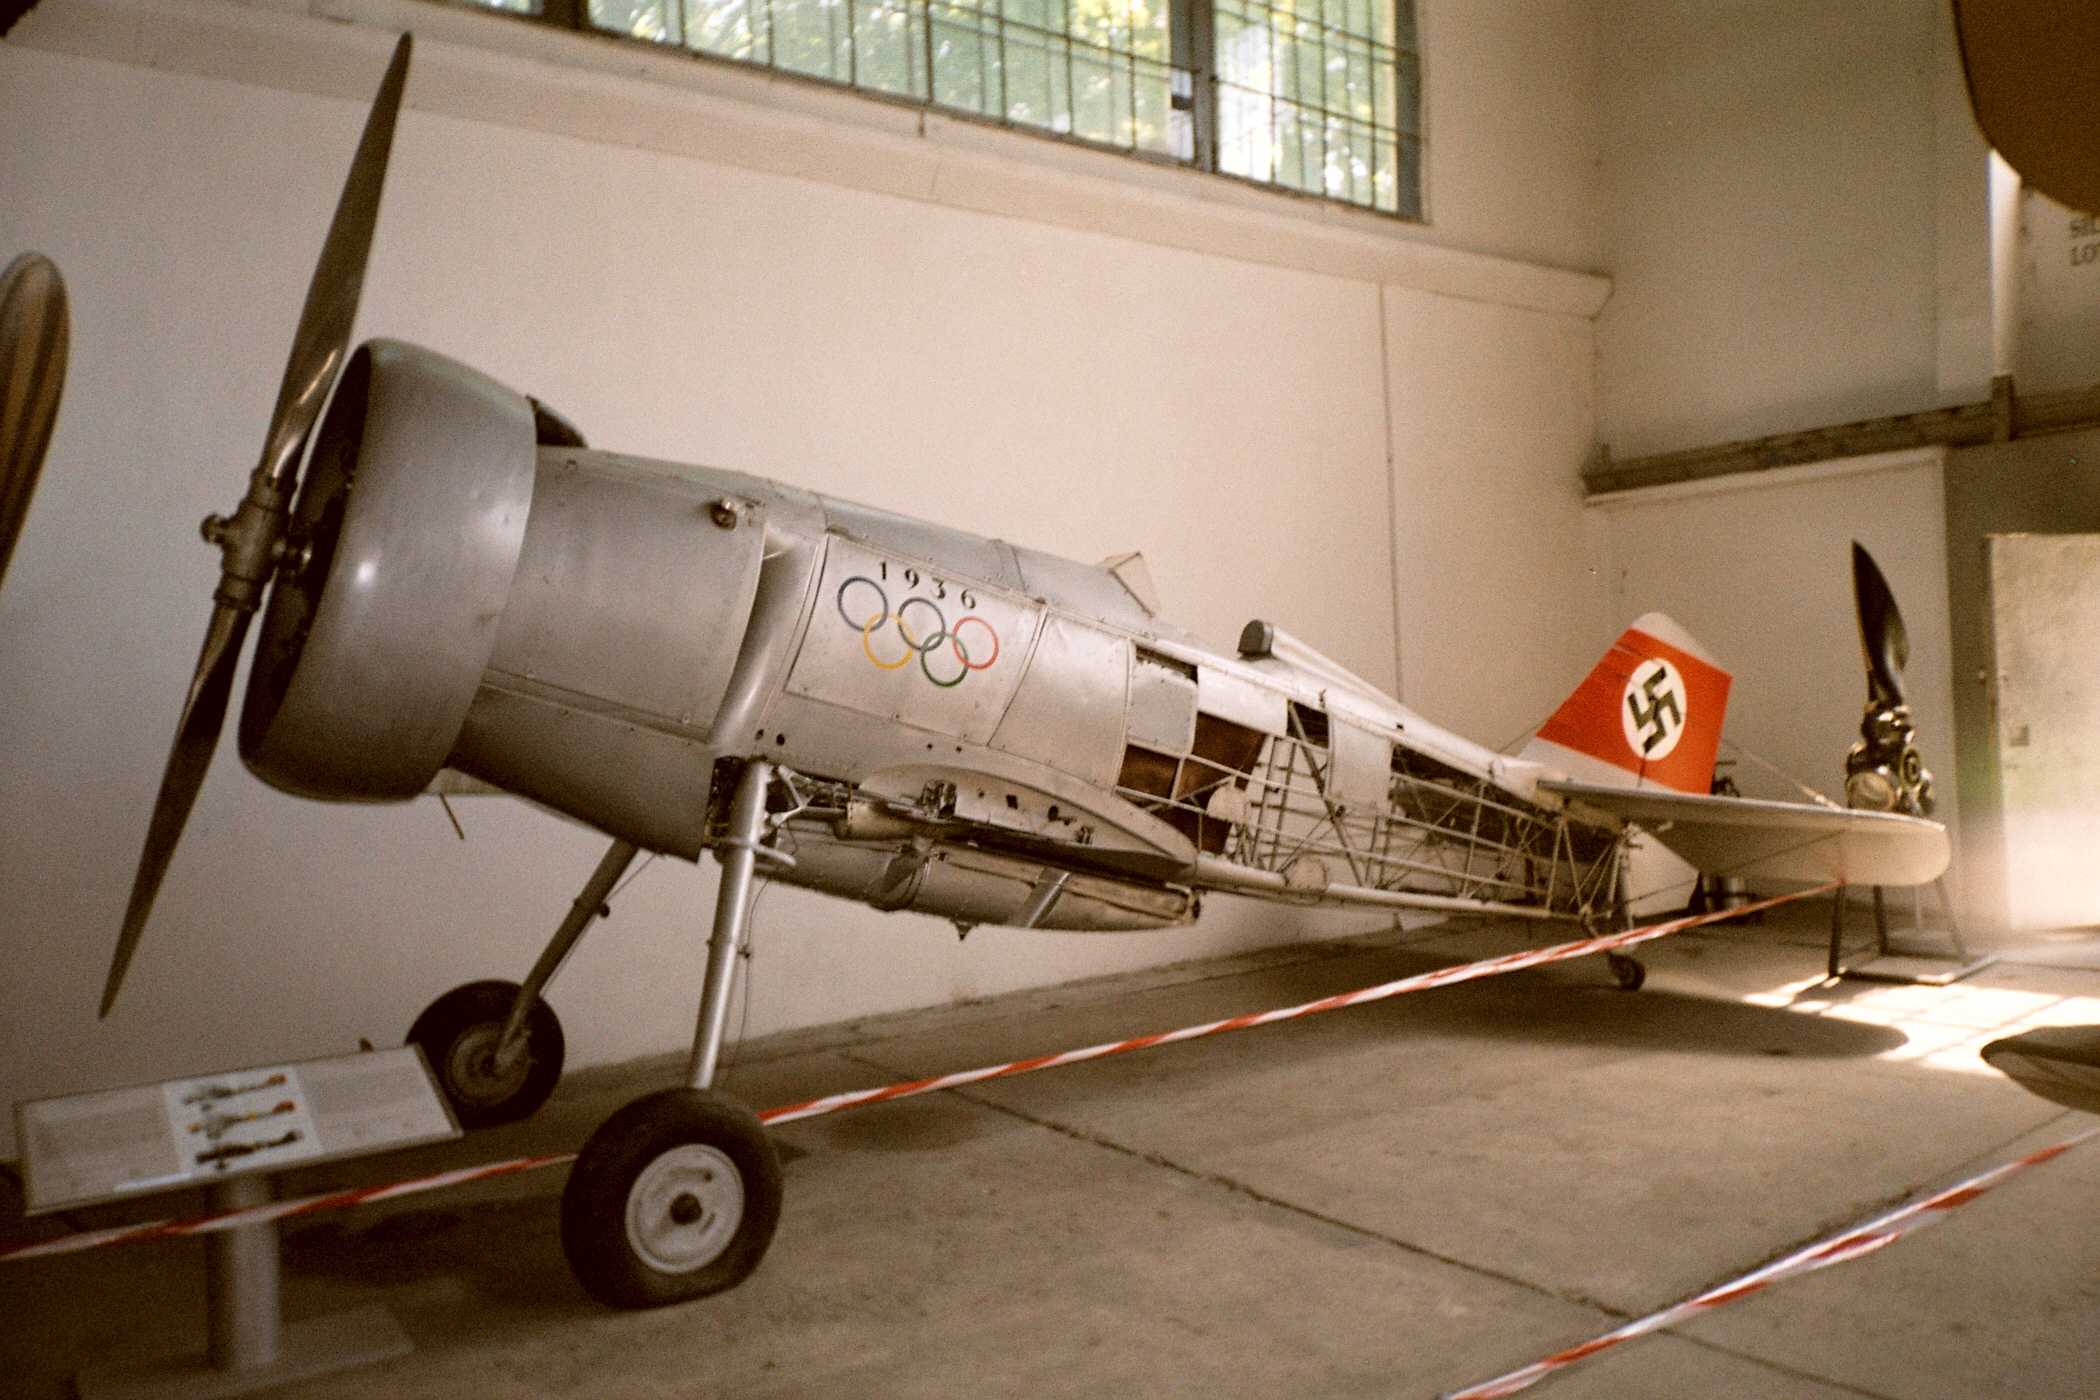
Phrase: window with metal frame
(1318,96)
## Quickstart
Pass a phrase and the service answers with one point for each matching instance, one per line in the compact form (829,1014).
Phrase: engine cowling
(411,518)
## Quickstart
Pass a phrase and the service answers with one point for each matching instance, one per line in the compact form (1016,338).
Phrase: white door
(2045,648)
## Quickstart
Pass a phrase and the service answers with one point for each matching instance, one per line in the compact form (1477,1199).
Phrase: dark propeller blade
(251,541)
(34,334)
(339,278)
(1881,634)
(203,715)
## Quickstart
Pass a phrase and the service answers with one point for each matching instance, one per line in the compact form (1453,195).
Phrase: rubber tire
(486,1006)
(594,1203)
(1630,972)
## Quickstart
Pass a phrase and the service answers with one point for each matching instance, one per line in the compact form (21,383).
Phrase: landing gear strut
(676,1196)
(1628,971)
(495,1047)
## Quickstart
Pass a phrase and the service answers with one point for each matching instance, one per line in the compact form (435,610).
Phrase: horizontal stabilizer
(1761,840)
(2061,1063)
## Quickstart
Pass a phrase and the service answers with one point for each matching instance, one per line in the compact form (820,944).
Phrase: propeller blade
(1881,634)
(250,540)
(339,278)
(35,332)
(203,715)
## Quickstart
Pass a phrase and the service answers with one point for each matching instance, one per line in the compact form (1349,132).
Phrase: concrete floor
(1399,1199)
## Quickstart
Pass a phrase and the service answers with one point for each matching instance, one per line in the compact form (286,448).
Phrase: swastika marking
(1655,710)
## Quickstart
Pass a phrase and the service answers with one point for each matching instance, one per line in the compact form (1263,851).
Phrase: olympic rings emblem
(922,647)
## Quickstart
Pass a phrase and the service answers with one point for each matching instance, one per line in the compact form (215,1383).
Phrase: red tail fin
(1648,715)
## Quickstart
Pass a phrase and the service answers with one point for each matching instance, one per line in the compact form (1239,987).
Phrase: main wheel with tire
(676,1196)
(459,1033)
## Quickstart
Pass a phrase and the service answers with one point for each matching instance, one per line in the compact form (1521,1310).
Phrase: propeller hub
(1883,771)
(251,542)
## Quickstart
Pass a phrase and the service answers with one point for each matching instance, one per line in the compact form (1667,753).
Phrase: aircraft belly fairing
(971,885)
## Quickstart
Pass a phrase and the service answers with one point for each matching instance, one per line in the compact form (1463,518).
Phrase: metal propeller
(1884,771)
(34,335)
(253,542)
(1881,634)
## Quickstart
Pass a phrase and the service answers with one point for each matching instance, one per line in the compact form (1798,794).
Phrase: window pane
(1243,52)
(1313,94)
(1093,97)
(1384,181)
(1245,133)
(1291,163)
(1354,65)
(1323,96)
(1148,29)
(809,36)
(723,27)
(965,60)
(638,19)
(1155,113)
(889,48)
(1036,94)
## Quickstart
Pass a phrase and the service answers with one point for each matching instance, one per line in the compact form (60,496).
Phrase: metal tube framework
(1459,838)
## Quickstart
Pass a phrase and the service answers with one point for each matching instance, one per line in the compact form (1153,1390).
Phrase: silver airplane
(458,594)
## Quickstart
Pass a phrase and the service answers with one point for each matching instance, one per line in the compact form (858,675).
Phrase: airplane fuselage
(966,717)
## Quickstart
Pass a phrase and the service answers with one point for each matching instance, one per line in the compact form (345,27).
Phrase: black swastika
(1649,718)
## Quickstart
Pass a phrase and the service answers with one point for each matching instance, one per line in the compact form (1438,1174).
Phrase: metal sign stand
(235,1132)
(1916,967)
(248,1345)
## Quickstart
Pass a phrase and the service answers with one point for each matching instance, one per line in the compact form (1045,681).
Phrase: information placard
(117,1143)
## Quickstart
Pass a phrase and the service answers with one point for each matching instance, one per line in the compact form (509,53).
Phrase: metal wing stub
(2060,1063)
(1761,840)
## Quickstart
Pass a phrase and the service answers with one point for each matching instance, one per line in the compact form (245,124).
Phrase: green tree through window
(1321,96)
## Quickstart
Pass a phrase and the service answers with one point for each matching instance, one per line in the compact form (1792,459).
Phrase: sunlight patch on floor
(1944,1027)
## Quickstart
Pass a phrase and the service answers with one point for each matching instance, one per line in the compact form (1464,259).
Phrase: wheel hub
(477,1074)
(684,1208)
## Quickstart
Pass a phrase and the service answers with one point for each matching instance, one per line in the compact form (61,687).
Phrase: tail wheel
(459,1034)
(1630,972)
(676,1196)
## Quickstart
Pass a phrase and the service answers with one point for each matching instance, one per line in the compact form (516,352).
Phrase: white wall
(2056,340)
(1512,117)
(1797,221)
(1501,613)
(1075,390)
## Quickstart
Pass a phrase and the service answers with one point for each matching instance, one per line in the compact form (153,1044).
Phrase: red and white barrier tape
(1855,1243)
(278,1210)
(1443,977)
(812,1108)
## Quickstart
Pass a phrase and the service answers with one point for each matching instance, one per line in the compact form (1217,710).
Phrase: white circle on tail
(1653,710)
